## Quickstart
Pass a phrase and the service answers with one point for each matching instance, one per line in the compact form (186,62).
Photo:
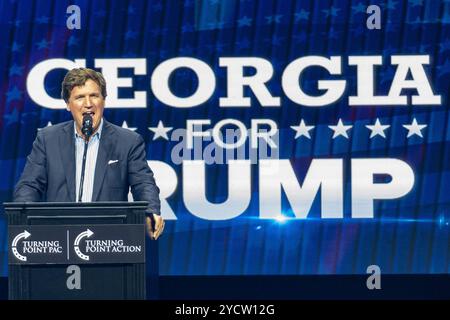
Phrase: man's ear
(67,107)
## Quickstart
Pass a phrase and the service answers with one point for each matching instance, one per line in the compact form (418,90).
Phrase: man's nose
(88,102)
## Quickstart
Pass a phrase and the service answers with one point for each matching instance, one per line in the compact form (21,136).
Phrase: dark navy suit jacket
(49,173)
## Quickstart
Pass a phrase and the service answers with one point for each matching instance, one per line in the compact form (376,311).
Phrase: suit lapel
(67,151)
(104,154)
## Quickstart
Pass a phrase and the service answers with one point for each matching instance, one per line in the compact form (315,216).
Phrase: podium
(76,250)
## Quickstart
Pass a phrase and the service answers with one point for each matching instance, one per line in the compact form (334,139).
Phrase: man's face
(86,99)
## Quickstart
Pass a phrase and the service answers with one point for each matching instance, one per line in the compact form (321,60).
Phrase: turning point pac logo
(66,244)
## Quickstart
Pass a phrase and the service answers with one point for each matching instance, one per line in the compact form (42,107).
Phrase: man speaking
(89,159)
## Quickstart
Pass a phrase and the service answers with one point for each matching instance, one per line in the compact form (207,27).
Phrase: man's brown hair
(78,77)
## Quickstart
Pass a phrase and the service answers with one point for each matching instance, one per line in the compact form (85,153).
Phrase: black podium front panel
(98,273)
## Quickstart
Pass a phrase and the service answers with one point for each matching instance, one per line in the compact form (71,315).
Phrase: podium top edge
(108,204)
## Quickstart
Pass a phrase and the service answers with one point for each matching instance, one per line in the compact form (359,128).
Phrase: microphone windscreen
(87,125)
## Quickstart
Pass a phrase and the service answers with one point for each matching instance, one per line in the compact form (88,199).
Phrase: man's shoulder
(123,133)
(56,128)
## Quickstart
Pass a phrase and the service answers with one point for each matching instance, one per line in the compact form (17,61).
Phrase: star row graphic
(160,131)
(302,130)
(124,125)
(376,129)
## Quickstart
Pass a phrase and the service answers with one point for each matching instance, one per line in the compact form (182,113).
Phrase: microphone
(87,130)
(87,127)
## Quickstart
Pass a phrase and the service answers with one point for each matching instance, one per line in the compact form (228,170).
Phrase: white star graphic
(377,129)
(302,130)
(160,131)
(49,124)
(415,128)
(340,129)
(125,126)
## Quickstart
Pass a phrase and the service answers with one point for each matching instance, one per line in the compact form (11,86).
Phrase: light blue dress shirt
(91,160)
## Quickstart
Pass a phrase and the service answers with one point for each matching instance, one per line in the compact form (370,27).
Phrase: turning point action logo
(101,246)
(83,245)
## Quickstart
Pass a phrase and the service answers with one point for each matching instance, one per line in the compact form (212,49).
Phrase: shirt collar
(97,133)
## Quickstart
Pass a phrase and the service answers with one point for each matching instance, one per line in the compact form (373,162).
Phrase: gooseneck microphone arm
(87,132)
(83,167)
